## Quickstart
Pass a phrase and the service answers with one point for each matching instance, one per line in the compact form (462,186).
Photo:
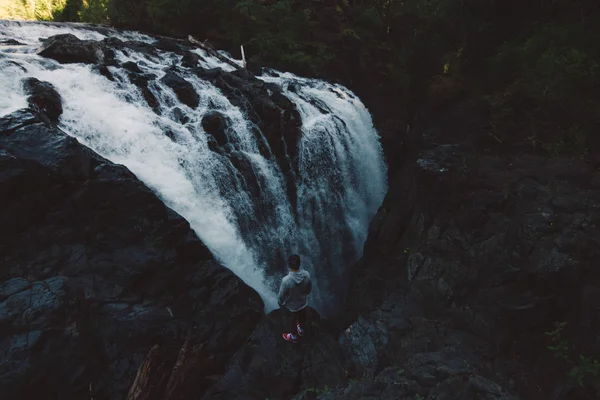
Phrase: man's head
(294,262)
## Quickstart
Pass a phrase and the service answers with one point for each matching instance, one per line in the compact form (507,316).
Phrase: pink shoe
(290,337)
(299,330)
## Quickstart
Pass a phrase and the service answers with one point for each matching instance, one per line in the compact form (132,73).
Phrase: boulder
(141,81)
(11,42)
(125,46)
(215,124)
(255,65)
(267,366)
(362,343)
(67,48)
(168,44)
(96,271)
(183,89)
(43,97)
(190,60)
(180,116)
(132,67)
(104,71)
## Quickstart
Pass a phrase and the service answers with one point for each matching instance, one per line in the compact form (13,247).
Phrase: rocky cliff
(482,250)
(95,270)
(475,254)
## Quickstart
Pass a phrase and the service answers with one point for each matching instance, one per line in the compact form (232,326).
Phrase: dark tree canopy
(534,63)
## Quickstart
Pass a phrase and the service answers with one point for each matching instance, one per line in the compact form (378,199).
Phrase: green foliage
(326,389)
(43,10)
(587,369)
(94,11)
(559,346)
(542,71)
(584,370)
(536,63)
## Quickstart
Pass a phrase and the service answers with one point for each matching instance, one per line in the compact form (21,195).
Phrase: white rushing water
(341,177)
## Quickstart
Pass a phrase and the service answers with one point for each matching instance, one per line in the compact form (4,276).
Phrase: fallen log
(212,52)
(151,377)
(168,375)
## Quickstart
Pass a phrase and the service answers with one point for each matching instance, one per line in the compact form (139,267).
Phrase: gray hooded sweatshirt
(294,290)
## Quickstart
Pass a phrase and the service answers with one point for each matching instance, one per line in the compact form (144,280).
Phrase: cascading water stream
(339,180)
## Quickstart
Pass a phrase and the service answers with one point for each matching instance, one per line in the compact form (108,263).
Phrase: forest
(533,64)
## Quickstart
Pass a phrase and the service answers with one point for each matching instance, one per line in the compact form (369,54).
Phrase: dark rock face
(215,124)
(141,81)
(168,44)
(183,89)
(95,271)
(43,97)
(10,42)
(190,60)
(140,47)
(67,48)
(132,67)
(104,71)
(267,366)
(500,246)
(254,65)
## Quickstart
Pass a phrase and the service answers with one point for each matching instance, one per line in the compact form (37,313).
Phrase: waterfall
(240,201)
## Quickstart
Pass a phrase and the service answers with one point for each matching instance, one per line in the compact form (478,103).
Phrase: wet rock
(215,124)
(113,42)
(168,44)
(180,116)
(254,65)
(141,81)
(139,47)
(269,367)
(129,45)
(43,97)
(171,135)
(97,271)
(190,60)
(183,89)
(104,71)
(67,48)
(11,42)
(207,74)
(132,67)
(362,343)
(475,387)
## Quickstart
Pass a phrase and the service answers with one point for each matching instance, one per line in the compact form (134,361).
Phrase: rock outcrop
(95,271)
(496,244)
(269,367)
(68,48)
(43,98)
(183,89)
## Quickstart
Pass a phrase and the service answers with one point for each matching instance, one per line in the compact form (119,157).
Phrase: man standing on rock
(293,294)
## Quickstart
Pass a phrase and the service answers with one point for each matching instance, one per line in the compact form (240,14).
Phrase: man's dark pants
(301,316)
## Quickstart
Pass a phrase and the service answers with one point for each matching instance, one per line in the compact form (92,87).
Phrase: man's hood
(298,276)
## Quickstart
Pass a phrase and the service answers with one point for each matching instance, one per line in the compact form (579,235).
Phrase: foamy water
(340,178)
